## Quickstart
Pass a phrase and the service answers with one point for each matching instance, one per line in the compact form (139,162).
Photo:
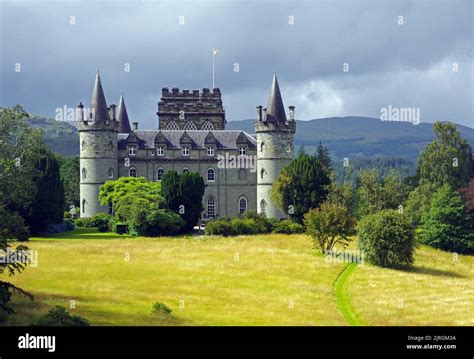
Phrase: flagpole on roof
(214,53)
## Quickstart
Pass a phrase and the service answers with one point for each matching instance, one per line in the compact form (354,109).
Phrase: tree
(387,238)
(47,206)
(376,194)
(301,185)
(322,154)
(183,194)
(418,203)
(447,225)
(329,225)
(70,176)
(59,317)
(446,160)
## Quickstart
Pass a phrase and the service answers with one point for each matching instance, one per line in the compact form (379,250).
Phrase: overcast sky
(306,42)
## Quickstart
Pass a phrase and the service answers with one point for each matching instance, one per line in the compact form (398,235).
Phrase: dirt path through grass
(342,298)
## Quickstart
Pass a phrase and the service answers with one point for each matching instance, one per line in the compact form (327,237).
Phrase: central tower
(274,148)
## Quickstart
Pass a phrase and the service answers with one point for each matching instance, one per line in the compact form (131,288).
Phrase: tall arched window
(262,144)
(84,202)
(83,146)
(263,207)
(173,126)
(242,204)
(185,170)
(132,172)
(262,172)
(84,173)
(190,126)
(211,175)
(207,126)
(211,207)
(159,174)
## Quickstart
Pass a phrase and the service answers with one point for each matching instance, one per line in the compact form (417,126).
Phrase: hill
(344,136)
(361,136)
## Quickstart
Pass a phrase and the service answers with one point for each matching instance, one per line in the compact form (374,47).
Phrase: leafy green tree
(47,206)
(70,175)
(301,185)
(343,193)
(329,225)
(447,225)
(322,154)
(446,160)
(375,194)
(418,203)
(387,238)
(183,194)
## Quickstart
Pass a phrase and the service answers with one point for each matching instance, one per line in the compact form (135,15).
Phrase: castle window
(84,173)
(211,175)
(263,207)
(207,126)
(185,170)
(83,146)
(242,174)
(160,151)
(132,172)
(262,172)
(159,174)
(242,151)
(210,151)
(211,207)
(172,126)
(242,205)
(288,147)
(132,151)
(190,126)
(261,146)
(110,173)
(84,202)
(185,151)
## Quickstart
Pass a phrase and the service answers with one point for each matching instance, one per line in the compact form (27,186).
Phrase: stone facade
(238,169)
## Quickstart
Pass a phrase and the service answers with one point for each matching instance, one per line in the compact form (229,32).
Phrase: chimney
(80,112)
(259,113)
(112,112)
(264,116)
(291,112)
(135,126)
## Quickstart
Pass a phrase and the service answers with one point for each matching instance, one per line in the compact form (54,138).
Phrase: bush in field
(161,308)
(287,226)
(447,225)
(387,239)
(329,225)
(98,220)
(65,225)
(218,227)
(59,317)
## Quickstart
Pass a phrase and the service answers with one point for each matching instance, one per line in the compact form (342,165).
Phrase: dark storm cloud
(407,65)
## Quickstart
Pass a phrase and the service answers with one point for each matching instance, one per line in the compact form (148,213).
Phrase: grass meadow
(247,280)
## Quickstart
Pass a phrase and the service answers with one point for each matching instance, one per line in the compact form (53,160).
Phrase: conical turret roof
(98,104)
(275,109)
(122,118)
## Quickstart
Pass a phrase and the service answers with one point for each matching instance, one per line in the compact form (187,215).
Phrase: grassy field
(253,280)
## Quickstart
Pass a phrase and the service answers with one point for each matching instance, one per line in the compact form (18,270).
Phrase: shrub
(287,226)
(387,239)
(98,220)
(243,226)
(446,225)
(103,227)
(329,225)
(264,225)
(66,225)
(59,317)
(161,308)
(218,227)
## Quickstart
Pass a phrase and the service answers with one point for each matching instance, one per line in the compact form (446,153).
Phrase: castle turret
(98,150)
(275,148)
(124,122)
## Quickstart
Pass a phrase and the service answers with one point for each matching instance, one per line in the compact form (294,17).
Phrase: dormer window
(242,151)
(160,151)
(185,151)
(132,151)
(210,151)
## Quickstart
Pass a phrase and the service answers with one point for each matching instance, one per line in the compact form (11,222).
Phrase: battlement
(189,94)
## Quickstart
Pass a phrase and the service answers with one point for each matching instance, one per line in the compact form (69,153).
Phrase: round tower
(98,129)
(275,136)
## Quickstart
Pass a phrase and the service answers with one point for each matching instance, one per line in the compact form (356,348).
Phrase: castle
(238,169)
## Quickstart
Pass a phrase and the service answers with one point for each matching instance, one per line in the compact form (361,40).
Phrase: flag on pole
(215,51)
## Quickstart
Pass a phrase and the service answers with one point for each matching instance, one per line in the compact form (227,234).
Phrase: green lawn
(248,280)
